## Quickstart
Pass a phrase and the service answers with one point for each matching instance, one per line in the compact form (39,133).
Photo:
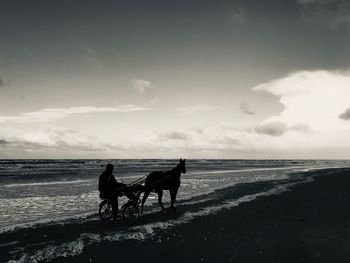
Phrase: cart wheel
(131,213)
(105,211)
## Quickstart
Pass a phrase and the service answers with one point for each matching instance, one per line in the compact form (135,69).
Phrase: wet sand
(309,223)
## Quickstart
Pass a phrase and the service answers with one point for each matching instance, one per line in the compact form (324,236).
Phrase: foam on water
(143,232)
(17,185)
(9,244)
(27,199)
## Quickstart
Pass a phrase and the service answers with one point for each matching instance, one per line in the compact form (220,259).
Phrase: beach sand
(308,223)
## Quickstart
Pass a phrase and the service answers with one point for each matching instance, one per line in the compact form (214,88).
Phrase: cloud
(309,126)
(142,85)
(277,128)
(238,16)
(245,108)
(306,1)
(3,142)
(333,13)
(91,58)
(345,115)
(53,114)
(311,98)
(174,135)
(272,128)
(62,140)
(226,140)
(198,108)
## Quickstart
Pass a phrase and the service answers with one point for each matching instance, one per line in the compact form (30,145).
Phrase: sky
(245,79)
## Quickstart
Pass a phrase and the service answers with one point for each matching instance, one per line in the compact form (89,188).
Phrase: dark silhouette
(158,181)
(110,189)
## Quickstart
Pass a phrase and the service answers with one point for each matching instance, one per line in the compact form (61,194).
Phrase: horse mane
(175,168)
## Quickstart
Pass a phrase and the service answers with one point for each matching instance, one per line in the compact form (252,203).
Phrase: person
(111,189)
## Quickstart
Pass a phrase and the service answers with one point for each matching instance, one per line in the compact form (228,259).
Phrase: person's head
(109,168)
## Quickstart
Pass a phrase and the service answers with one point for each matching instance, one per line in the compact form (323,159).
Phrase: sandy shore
(310,223)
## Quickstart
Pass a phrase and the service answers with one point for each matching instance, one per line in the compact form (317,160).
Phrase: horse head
(182,165)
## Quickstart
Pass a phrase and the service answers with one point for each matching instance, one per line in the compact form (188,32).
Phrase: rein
(143,178)
(138,181)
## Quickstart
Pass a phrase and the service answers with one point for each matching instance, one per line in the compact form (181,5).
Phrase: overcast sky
(169,79)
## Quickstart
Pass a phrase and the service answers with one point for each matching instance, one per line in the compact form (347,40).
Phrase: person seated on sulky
(111,189)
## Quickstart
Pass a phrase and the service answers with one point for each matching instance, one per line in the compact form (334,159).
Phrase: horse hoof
(172,207)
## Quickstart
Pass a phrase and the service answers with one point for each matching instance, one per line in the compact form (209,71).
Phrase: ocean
(39,191)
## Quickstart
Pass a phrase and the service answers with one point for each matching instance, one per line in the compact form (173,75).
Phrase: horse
(158,181)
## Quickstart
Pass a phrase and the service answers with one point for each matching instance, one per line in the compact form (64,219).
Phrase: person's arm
(112,181)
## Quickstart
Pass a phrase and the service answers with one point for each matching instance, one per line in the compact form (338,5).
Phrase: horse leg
(145,195)
(173,198)
(160,195)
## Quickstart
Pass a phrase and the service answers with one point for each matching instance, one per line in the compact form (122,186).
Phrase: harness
(142,180)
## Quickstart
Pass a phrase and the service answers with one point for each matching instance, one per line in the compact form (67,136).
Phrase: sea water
(34,191)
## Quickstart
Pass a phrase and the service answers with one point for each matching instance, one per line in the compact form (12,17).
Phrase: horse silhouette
(158,181)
